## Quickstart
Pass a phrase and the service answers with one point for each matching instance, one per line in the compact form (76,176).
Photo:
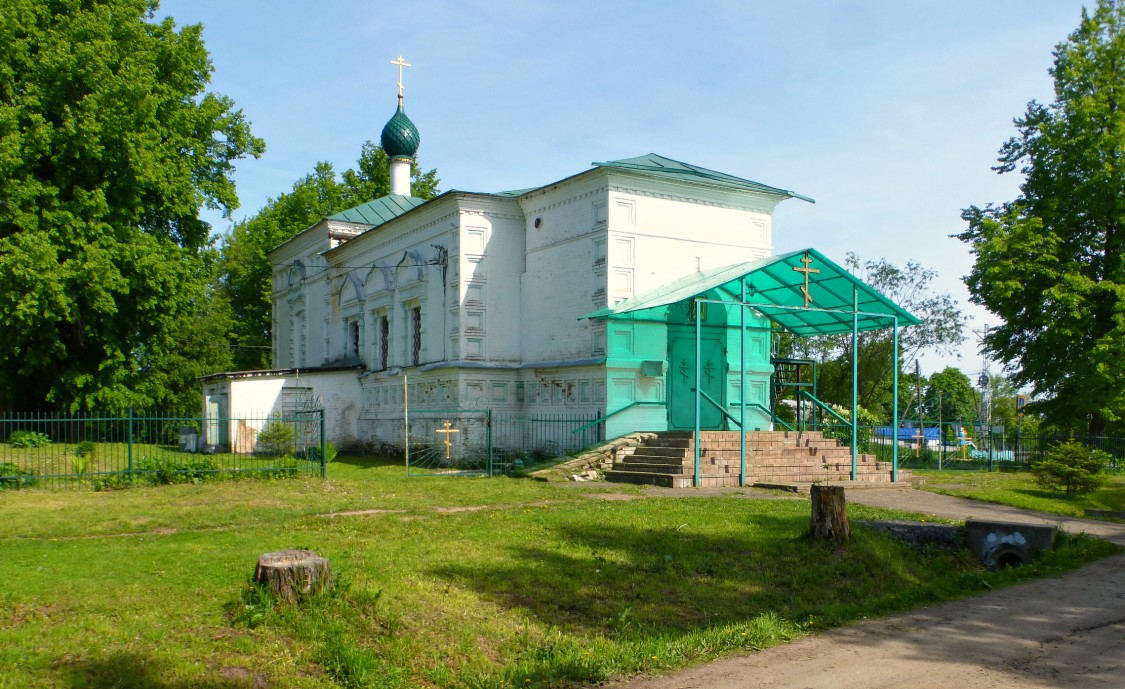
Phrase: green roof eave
(774,287)
(667,168)
(380,210)
(514,193)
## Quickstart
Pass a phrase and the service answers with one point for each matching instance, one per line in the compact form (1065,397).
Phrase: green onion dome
(400,137)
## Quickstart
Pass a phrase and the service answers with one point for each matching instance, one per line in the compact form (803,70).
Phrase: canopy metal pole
(698,365)
(742,389)
(855,376)
(894,406)
(406,421)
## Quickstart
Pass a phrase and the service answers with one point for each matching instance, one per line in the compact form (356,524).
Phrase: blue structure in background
(909,434)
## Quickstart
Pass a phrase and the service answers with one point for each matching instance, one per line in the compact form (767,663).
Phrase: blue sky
(888,113)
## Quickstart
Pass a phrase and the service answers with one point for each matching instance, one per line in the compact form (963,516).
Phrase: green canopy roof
(775,287)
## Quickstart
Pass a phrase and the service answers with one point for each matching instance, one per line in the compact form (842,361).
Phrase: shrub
(277,438)
(117,480)
(28,439)
(80,463)
(164,471)
(82,457)
(786,413)
(843,434)
(1071,467)
(86,448)
(286,466)
(329,452)
(11,476)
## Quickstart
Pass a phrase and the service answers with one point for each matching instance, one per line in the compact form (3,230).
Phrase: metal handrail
(718,406)
(825,407)
(773,417)
(615,413)
(705,396)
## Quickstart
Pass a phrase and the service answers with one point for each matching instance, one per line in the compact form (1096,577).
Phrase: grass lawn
(1020,490)
(442,582)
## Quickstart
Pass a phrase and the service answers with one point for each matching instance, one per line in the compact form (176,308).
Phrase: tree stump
(293,574)
(829,514)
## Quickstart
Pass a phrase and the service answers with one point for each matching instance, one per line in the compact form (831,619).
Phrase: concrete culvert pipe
(1006,555)
(1002,544)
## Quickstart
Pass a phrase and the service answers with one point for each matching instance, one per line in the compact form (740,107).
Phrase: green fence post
(323,448)
(488,441)
(130,445)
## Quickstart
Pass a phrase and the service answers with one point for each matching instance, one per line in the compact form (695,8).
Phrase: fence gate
(455,442)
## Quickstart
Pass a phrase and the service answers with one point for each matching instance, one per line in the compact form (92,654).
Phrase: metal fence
(474,442)
(947,447)
(110,452)
(521,440)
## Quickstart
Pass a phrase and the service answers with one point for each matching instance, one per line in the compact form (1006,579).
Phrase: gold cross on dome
(806,270)
(447,429)
(401,63)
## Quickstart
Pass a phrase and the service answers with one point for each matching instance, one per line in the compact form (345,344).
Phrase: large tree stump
(293,574)
(829,514)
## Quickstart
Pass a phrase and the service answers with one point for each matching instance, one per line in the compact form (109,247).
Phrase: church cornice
(648,193)
(538,202)
(492,206)
(699,194)
(493,213)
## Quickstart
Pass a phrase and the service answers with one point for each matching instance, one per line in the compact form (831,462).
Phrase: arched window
(415,335)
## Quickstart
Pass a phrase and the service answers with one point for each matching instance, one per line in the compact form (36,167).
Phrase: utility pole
(940,433)
(1020,401)
(918,392)
(985,381)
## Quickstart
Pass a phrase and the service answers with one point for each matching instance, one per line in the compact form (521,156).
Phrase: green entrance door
(681,380)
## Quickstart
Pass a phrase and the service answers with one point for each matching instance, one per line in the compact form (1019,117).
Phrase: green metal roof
(674,169)
(772,284)
(514,193)
(380,210)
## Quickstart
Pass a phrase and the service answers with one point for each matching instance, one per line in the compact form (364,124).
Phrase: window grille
(353,334)
(384,341)
(416,339)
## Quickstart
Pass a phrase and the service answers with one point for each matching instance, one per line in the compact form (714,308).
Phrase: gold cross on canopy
(401,63)
(806,270)
(447,429)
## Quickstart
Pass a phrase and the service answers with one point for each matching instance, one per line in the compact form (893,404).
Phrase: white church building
(511,301)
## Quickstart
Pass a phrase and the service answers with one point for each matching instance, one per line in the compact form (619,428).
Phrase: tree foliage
(109,147)
(1071,467)
(949,396)
(247,274)
(1051,264)
(910,286)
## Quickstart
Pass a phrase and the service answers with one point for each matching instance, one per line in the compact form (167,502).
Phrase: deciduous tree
(110,145)
(949,396)
(1051,263)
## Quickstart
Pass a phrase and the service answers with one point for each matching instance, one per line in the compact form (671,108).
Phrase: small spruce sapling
(1071,467)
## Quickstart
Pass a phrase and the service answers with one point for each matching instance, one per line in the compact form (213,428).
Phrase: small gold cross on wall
(806,270)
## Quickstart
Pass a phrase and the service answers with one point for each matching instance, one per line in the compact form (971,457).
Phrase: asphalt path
(1066,631)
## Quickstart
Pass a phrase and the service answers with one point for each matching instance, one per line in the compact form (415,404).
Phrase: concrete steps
(778,457)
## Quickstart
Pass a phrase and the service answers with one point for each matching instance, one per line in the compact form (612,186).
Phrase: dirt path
(1066,631)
